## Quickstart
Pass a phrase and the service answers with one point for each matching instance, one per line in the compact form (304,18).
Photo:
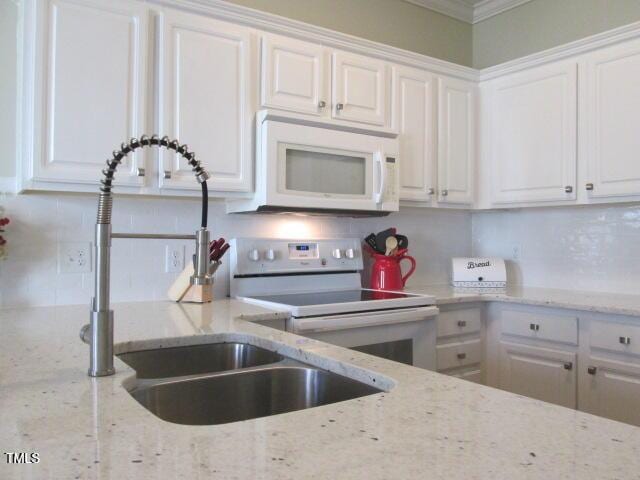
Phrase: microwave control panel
(391,190)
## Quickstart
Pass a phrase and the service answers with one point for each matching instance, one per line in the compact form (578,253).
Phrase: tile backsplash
(595,248)
(41,224)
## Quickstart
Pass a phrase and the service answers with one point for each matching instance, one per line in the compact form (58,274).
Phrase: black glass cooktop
(328,298)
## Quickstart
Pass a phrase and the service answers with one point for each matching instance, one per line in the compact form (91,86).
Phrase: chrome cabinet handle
(534,326)
(568,366)
(625,340)
(340,106)
(568,189)
(462,323)
(589,187)
(431,191)
(592,370)
(140,172)
(445,193)
(322,104)
(462,356)
(167,174)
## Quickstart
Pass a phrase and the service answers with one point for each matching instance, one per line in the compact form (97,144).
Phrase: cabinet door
(359,86)
(456,140)
(206,100)
(540,373)
(293,75)
(533,135)
(611,389)
(413,116)
(93,56)
(613,115)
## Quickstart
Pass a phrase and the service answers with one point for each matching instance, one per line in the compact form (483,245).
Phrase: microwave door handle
(383,178)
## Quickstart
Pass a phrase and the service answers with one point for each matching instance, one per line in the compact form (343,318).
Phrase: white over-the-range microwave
(317,167)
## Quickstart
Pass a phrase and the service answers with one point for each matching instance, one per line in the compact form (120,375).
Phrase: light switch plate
(74,257)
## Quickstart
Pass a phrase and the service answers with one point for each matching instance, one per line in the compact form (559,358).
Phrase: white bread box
(479,272)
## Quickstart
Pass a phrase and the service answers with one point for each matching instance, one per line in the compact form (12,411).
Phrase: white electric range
(318,281)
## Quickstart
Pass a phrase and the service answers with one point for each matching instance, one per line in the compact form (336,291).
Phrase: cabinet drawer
(458,354)
(616,337)
(542,326)
(458,322)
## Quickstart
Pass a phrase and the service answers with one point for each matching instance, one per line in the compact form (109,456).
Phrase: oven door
(314,167)
(406,335)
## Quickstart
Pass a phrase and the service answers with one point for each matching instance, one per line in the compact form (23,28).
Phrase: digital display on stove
(302,251)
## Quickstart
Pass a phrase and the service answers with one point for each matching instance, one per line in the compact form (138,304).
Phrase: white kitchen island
(426,426)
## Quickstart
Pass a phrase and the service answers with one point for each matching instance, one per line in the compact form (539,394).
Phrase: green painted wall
(8,25)
(542,24)
(393,22)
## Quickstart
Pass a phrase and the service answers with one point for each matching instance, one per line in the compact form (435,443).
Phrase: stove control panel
(264,256)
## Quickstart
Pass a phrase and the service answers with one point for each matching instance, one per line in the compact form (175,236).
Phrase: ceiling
(471,11)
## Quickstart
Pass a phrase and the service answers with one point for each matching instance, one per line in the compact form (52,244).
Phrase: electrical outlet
(174,258)
(516,252)
(74,257)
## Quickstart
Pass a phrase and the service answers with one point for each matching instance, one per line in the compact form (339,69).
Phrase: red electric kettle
(386,273)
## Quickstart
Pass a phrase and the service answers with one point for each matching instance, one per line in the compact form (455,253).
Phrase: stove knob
(349,253)
(270,255)
(337,254)
(254,255)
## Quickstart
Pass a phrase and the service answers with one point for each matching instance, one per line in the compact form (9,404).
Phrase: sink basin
(245,394)
(197,359)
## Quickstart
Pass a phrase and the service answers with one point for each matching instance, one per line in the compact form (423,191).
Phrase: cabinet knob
(140,172)
(589,186)
(431,191)
(462,356)
(339,106)
(568,366)
(167,174)
(322,104)
(534,326)
(591,370)
(445,193)
(625,340)
(462,323)
(568,189)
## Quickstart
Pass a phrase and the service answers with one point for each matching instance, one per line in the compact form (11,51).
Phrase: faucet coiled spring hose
(105,201)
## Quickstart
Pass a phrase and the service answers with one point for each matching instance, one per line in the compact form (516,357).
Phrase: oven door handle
(332,323)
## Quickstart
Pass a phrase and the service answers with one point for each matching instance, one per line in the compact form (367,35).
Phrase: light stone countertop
(612,303)
(428,426)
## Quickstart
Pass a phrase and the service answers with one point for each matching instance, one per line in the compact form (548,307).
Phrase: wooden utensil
(391,243)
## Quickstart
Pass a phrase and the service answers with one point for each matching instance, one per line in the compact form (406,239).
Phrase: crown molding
(285,26)
(563,52)
(470,11)
(457,9)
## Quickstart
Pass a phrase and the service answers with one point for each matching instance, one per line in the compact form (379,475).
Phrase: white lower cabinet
(611,389)
(541,373)
(590,362)
(459,350)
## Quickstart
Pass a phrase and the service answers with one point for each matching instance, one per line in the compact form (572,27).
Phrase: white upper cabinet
(532,135)
(90,90)
(205,100)
(456,140)
(359,88)
(413,116)
(293,75)
(612,140)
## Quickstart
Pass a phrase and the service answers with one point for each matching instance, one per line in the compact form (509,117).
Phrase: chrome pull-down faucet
(99,332)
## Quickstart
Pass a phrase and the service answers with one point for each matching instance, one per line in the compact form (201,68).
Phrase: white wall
(40,222)
(593,248)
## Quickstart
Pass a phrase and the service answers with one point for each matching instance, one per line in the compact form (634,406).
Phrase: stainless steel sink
(231,397)
(197,359)
(228,382)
